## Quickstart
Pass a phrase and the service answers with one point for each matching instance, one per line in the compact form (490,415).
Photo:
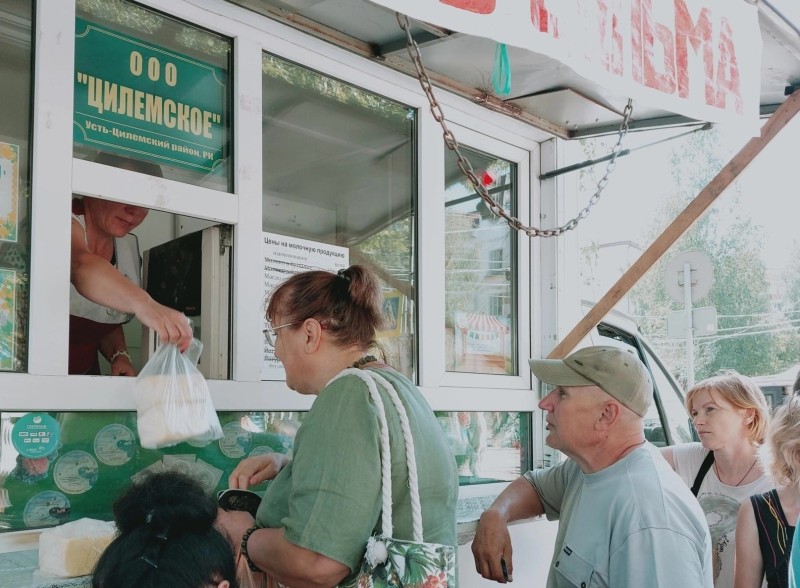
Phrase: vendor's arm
(115,351)
(99,281)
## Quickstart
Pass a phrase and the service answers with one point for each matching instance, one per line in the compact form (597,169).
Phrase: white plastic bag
(172,399)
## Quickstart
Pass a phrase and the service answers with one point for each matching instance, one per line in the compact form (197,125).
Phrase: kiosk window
(15,132)
(339,177)
(480,269)
(488,446)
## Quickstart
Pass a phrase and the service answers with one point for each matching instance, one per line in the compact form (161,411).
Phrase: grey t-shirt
(634,523)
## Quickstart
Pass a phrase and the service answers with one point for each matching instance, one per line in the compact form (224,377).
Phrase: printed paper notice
(284,257)
(9,191)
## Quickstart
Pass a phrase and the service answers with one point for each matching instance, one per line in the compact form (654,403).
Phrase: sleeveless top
(721,504)
(89,322)
(774,537)
(129,263)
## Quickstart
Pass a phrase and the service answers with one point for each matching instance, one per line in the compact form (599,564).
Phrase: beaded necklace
(364,361)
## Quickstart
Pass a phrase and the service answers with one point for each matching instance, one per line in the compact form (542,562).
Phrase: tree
(740,293)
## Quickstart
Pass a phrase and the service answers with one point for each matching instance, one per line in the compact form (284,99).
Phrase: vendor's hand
(233,524)
(121,366)
(256,469)
(172,326)
(492,543)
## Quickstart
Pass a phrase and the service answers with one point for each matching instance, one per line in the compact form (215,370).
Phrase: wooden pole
(680,225)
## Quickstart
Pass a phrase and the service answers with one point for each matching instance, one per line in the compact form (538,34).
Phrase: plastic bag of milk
(173,403)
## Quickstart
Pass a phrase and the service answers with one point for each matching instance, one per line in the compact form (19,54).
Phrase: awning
(698,58)
(481,322)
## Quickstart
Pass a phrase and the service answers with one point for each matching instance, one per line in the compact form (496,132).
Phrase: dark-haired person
(730,415)
(105,276)
(765,529)
(323,505)
(167,538)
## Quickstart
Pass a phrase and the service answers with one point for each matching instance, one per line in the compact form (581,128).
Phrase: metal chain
(466,167)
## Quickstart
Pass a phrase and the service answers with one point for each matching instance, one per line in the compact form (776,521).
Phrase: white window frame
(56,175)
(521,158)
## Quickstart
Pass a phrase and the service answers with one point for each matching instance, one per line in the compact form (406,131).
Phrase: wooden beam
(680,225)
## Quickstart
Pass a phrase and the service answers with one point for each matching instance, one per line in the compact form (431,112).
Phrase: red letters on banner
(660,52)
(479,6)
(542,19)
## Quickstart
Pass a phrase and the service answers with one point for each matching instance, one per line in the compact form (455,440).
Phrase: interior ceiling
(545,92)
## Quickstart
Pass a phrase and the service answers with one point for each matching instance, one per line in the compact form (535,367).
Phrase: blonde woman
(765,525)
(730,415)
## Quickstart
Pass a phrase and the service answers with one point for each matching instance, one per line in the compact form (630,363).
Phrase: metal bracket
(225,238)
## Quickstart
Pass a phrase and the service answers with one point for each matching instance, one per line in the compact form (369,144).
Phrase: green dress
(328,499)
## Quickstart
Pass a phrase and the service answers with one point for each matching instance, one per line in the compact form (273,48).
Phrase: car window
(671,399)
(666,422)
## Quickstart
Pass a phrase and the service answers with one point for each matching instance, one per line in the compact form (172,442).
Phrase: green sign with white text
(139,99)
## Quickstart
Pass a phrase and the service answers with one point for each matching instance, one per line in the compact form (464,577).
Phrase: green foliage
(740,293)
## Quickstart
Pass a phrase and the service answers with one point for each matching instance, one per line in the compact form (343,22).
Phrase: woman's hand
(172,326)
(121,366)
(256,469)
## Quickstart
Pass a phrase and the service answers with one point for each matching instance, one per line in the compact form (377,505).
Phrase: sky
(769,187)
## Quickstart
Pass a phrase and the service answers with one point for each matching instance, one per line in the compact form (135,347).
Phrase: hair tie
(152,550)
(342,273)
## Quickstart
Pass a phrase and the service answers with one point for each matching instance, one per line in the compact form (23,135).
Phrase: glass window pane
(180,261)
(339,176)
(680,425)
(15,132)
(480,268)
(488,446)
(95,455)
(160,93)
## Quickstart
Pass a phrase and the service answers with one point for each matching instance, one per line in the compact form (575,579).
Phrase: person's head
(340,310)
(167,538)
(598,390)
(726,409)
(780,454)
(796,387)
(115,219)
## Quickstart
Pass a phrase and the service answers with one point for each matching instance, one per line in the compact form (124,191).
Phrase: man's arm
(492,542)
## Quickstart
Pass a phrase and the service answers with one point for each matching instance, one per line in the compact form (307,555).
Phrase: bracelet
(243,549)
(117,353)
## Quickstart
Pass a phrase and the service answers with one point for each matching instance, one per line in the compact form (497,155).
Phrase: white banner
(698,58)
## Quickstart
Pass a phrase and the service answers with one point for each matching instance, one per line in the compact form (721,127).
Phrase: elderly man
(625,518)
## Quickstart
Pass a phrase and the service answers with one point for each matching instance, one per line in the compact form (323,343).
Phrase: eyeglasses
(271,333)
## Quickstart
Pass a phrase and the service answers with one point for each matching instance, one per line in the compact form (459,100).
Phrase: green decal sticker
(35,435)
